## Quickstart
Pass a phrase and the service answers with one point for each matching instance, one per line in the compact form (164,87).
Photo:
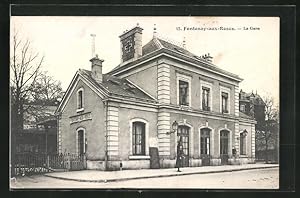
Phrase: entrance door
(224,137)
(80,142)
(205,146)
(183,132)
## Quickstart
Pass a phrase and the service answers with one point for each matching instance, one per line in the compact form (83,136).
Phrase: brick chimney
(97,69)
(131,44)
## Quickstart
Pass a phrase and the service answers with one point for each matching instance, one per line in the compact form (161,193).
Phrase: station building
(134,115)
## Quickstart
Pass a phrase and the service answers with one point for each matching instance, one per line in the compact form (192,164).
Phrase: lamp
(174,128)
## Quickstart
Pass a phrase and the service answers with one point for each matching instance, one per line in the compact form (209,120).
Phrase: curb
(157,176)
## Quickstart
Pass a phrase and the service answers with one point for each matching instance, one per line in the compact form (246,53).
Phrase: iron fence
(36,163)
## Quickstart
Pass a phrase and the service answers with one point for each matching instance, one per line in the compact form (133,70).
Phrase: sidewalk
(110,176)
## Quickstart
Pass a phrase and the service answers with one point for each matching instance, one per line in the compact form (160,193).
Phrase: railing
(29,163)
(32,163)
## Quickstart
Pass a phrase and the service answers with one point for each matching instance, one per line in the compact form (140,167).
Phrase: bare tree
(25,66)
(268,134)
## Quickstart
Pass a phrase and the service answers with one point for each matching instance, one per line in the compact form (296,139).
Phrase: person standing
(180,155)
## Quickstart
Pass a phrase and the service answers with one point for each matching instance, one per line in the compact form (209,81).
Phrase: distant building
(39,133)
(252,105)
(158,94)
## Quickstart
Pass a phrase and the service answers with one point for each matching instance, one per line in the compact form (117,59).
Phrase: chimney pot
(97,69)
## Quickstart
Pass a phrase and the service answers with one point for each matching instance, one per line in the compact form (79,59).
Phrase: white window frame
(225,90)
(211,141)
(229,140)
(191,137)
(146,156)
(244,108)
(188,79)
(77,100)
(208,85)
(84,139)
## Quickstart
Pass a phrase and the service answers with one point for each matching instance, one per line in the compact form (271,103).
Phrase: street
(247,179)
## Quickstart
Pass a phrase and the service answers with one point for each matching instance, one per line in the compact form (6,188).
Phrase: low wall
(95,165)
(164,163)
(240,161)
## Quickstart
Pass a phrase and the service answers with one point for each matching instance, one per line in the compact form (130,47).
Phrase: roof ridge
(171,41)
(157,43)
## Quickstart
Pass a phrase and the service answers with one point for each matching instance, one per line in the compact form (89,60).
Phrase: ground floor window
(138,138)
(81,144)
(243,143)
(224,134)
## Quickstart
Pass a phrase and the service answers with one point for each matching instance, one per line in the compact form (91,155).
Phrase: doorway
(183,132)
(205,146)
(224,141)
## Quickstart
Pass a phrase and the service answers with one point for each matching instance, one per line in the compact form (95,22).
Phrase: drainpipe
(106,128)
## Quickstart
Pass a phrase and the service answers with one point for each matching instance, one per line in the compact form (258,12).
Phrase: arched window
(224,142)
(80,99)
(138,138)
(205,141)
(80,141)
(243,139)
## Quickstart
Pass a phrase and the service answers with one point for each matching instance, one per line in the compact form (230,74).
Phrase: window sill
(243,156)
(79,110)
(206,109)
(185,107)
(139,157)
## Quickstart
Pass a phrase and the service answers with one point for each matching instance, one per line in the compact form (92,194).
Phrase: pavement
(111,176)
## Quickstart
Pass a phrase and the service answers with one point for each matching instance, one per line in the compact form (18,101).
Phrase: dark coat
(180,156)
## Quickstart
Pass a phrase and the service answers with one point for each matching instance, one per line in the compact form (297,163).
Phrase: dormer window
(80,100)
(242,108)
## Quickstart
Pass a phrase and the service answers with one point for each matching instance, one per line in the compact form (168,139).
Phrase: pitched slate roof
(158,45)
(117,86)
(254,98)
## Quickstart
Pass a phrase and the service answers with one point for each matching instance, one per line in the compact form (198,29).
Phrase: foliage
(267,134)
(31,90)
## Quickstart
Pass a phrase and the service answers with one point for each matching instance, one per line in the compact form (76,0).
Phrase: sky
(246,46)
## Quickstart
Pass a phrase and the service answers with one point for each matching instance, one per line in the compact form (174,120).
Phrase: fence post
(48,161)
(68,162)
(84,162)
